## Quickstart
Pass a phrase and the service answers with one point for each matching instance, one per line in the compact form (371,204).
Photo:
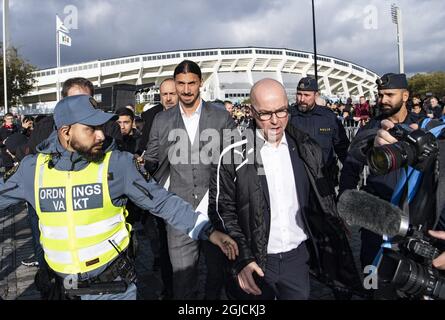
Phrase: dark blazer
(148,117)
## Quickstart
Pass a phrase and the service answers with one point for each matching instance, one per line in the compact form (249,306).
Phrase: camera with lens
(407,267)
(416,148)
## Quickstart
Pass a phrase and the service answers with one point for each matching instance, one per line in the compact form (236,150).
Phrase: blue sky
(360,31)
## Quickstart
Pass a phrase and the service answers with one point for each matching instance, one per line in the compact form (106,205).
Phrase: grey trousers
(184,256)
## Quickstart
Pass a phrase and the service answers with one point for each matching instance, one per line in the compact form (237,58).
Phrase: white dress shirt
(191,122)
(285,234)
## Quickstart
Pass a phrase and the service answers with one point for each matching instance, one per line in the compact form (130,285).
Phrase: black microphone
(367,211)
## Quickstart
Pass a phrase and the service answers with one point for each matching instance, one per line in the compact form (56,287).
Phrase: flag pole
(58,64)
(5,52)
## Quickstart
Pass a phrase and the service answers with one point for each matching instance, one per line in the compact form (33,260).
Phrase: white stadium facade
(228,74)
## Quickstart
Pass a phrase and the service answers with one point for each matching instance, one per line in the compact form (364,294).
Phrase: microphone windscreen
(367,211)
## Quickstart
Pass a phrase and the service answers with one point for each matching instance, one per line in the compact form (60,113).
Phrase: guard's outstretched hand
(225,243)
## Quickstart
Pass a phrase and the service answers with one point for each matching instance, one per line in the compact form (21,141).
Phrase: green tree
(434,83)
(246,101)
(20,79)
(139,108)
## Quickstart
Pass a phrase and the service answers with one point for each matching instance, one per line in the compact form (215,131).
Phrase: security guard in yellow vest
(79,184)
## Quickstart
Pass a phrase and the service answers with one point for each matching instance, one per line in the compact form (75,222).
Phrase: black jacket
(239,205)
(148,117)
(437,112)
(5,133)
(130,143)
(382,186)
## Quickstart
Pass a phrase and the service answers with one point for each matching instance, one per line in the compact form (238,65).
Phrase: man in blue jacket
(79,187)
(321,124)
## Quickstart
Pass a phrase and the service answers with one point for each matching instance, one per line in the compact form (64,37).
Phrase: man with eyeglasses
(269,194)
(321,124)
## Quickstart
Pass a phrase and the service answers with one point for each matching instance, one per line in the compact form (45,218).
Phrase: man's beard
(304,108)
(88,153)
(388,112)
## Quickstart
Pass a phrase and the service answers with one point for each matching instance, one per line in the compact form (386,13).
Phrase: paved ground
(17,281)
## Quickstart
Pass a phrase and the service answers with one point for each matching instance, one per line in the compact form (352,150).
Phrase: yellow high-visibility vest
(77,218)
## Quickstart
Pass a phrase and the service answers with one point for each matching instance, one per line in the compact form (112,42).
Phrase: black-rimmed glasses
(264,116)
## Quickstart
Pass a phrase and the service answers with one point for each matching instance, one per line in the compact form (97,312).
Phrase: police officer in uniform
(79,187)
(321,124)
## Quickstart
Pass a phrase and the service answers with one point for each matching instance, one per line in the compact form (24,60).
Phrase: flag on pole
(60,26)
(64,39)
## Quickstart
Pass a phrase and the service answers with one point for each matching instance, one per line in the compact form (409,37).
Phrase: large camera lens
(410,277)
(415,148)
(390,157)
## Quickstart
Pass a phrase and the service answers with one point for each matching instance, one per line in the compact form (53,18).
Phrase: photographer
(393,97)
(418,155)
(418,149)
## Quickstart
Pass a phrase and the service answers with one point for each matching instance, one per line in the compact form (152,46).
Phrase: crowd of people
(265,198)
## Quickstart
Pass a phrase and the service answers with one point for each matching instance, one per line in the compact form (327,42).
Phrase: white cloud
(111,28)
(100,13)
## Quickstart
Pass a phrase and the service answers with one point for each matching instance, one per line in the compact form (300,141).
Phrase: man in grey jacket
(184,143)
(82,216)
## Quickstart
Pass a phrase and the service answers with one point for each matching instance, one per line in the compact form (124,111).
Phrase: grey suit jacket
(188,164)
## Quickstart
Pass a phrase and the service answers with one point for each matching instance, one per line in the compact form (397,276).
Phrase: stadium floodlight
(396,15)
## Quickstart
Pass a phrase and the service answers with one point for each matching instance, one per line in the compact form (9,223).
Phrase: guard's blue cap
(307,84)
(392,81)
(80,109)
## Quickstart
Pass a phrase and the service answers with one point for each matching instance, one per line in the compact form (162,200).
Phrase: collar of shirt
(197,111)
(283,141)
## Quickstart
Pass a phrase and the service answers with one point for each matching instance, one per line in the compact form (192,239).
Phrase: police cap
(392,81)
(307,84)
(80,109)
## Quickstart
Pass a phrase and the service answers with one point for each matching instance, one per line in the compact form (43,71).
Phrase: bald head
(270,108)
(265,89)
(167,91)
